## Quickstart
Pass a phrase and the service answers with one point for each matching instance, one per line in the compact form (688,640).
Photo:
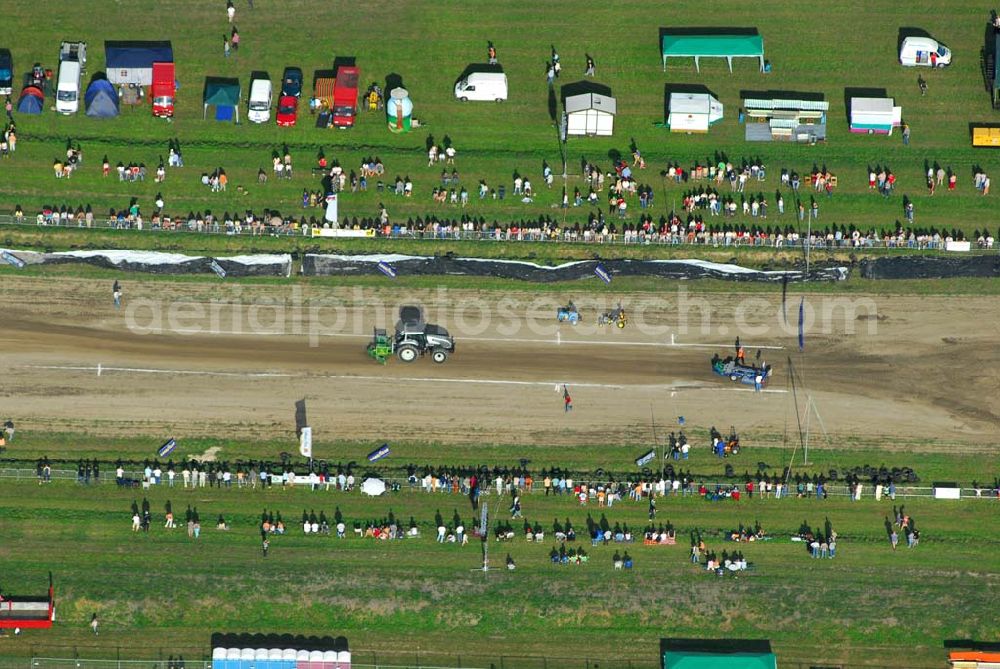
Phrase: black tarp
(930,267)
(334,265)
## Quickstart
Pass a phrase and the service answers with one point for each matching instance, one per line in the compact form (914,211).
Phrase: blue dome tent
(101,99)
(32,100)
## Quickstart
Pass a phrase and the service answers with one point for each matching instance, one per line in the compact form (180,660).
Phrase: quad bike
(615,317)
(568,314)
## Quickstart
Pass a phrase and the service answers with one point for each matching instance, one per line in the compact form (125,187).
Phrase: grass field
(429,44)
(869,604)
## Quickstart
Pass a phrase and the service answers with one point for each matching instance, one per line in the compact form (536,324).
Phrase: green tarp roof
(222,92)
(688,660)
(713,45)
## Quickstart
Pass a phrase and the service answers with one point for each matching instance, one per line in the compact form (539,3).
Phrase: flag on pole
(167,448)
(306,442)
(379,453)
(387,269)
(12,259)
(602,273)
(802,324)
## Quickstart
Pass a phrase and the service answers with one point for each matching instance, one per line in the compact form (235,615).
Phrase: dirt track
(919,374)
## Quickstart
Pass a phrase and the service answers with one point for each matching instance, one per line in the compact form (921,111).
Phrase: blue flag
(379,453)
(167,448)
(602,273)
(802,324)
(387,269)
(680,420)
(12,259)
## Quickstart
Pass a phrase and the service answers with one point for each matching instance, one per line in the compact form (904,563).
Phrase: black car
(6,72)
(291,81)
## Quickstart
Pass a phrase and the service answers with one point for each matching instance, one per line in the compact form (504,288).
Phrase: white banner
(331,208)
(306,442)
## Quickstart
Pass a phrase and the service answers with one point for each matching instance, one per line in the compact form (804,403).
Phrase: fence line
(445,661)
(837,489)
(819,241)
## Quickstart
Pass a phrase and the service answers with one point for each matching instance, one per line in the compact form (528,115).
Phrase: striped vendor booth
(260,651)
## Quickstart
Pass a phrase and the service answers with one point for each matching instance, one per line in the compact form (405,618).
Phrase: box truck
(163,89)
(345,96)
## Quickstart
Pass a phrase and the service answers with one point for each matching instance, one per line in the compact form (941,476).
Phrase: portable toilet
(246,658)
(399,110)
(329,659)
(218,658)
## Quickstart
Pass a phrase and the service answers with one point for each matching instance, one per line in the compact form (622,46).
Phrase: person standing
(567,400)
(491,53)
(230,10)
(758,382)
(906,134)
(116,294)
(225,45)
(93,623)
(591,69)
(265,544)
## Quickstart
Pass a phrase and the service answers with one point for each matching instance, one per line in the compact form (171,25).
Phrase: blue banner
(387,269)
(12,259)
(602,273)
(167,448)
(802,325)
(217,268)
(379,453)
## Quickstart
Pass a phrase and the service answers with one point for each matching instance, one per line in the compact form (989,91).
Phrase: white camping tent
(590,114)
(693,112)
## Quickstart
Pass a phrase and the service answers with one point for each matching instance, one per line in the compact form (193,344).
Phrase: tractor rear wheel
(439,355)
(407,353)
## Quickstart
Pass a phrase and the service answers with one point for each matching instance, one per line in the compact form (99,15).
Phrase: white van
(491,86)
(259,104)
(924,51)
(68,87)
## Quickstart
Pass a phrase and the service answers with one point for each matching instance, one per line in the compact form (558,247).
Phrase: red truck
(162,93)
(345,96)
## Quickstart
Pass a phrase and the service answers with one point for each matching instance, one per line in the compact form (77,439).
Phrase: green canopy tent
(717,654)
(222,93)
(710,45)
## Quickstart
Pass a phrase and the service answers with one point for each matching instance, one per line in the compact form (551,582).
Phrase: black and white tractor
(415,337)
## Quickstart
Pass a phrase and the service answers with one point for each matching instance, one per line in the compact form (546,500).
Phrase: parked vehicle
(490,86)
(345,96)
(288,111)
(291,82)
(259,104)
(163,89)
(413,338)
(72,60)
(6,72)
(924,51)
(68,87)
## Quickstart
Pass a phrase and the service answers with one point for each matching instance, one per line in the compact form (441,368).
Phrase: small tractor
(413,338)
(616,317)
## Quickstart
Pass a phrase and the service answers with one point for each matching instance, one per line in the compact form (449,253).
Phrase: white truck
(924,52)
(488,86)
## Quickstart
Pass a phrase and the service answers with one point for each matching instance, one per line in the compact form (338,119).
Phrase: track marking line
(104,369)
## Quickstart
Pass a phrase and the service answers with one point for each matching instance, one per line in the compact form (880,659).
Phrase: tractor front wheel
(407,353)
